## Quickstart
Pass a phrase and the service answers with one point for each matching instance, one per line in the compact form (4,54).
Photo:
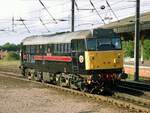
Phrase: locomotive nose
(103,60)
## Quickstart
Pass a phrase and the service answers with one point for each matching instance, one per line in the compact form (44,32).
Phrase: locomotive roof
(57,38)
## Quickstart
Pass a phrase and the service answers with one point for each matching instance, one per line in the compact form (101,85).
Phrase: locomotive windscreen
(103,44)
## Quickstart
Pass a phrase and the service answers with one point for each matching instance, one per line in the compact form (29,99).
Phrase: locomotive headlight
(119,55)
(89,79)
(116,60)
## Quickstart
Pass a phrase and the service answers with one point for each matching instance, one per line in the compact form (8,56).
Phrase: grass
(9,63)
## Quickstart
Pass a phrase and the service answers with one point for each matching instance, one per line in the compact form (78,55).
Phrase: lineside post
(136,43)
(72,15)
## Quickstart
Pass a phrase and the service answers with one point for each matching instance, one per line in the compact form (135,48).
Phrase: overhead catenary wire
(81,8)
(81,17)
(24,25)
(112,10)
(43,24)
(13,23)
(97,12)
(48,11)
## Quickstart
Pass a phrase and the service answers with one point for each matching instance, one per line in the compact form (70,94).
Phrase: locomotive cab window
(78,45)
(74,45)
(117,43)
(81,45)
(91,44)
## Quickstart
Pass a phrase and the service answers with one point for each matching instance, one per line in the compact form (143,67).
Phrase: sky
(57,17)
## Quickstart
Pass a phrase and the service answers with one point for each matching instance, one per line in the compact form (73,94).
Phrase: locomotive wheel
(61,81)
(82,87)
(58,80)
(71,85)
(38,76)
(23,72)
(28,74)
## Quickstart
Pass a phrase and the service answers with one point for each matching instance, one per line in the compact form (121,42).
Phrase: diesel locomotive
(88,60)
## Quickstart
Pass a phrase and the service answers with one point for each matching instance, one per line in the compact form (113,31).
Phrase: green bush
(11,56)
(147,49)
(128,47)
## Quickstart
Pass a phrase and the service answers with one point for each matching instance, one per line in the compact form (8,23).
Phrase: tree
(10,47)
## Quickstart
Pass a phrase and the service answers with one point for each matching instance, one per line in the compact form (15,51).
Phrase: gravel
(25,97)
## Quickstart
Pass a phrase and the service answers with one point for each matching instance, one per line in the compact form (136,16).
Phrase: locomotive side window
(51,49)
(55,48)
(65,48)
(37,49)
(45,49)
(32,49)
(28,49)
(58,48)
(62,48)
(68,48)
(42,49)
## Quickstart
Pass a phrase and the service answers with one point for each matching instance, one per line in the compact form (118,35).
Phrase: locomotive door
(77,53)
(74,54)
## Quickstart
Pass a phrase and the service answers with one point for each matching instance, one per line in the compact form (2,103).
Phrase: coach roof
(57,38)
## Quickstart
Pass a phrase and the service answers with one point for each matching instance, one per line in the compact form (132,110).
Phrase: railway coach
(89,60)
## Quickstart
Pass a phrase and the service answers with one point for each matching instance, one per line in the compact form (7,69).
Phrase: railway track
(132,103)
(136,85)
